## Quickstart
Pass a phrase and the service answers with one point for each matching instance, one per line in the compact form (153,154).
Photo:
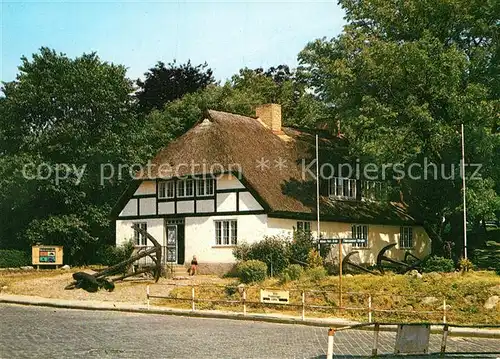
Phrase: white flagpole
(463,188)
(317,191)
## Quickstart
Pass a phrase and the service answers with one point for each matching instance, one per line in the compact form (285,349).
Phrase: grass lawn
(465,294)
(465,297)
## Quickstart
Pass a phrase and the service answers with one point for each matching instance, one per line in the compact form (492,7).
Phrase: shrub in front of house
(300,246)
(251,271)
(293,272)
(272,250)
(111,255)
(438,264)
(314,259)
(11,258)
(316,274)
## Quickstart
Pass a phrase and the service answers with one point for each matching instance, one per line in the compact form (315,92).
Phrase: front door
(175,243)
(172,244)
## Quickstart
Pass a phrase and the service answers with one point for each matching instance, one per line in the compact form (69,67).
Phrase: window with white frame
(204,187)
(360,231)
(406,237)
(185,188)
(344,188)
(303,226)
(139,238)
(226,233)
(166,189)
(374,190)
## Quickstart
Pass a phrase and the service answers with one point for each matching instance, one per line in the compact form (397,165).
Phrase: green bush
(316,274)
(438,264)
(10,258)
(293,272)
(111,255)
(301,245)
(314,259)
(251,271)
(271,250)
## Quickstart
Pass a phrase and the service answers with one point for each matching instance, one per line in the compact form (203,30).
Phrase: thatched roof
(227,139)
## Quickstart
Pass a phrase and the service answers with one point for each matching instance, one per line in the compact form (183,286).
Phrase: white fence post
(303,305)
(444,310)
(369,308)
(147,295)
(329,352)
(192,298)
(244,301)
(375,339)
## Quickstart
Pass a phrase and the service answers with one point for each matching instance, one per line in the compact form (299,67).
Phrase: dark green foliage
(75,111)
(251,271)
(438,264)
(271,250)
(10,258)
(111,255)
(302,244)
(164,84)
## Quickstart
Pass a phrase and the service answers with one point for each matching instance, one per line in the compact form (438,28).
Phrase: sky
(228,35)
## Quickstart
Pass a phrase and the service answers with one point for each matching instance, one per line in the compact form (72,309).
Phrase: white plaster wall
(166,207)
(146,187)
(228,181)
(147,206)
(130,208)
(200,236)
(185,207)
(226,202)
(205,205)
(124,231)
(378,237)
(248,203)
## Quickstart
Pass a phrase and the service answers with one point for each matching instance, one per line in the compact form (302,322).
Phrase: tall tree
(165,83)
(401,78)
(61,111)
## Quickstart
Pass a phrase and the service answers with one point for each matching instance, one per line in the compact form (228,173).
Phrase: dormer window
(205,187)
(185,188)
(166,189)
(342,188)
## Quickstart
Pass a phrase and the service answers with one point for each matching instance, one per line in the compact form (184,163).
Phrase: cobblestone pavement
(29,332)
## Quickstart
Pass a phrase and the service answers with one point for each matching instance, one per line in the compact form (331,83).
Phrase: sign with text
(50,255)
(274,296)
(343,240)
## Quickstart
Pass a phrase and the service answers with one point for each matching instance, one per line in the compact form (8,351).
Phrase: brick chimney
(270,115)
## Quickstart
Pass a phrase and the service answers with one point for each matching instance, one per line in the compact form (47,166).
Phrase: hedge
(11,258)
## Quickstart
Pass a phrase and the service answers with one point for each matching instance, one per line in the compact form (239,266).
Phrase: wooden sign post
(47,255)
(341,241)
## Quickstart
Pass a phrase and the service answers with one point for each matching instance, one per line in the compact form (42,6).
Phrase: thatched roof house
(274,165)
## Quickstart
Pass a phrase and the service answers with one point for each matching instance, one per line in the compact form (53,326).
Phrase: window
(139,238)
(360,231)
(205,187)
(166,189)
(303,226)
(185,188)
(406,237)
(342,188)
(226,233)
(374,190)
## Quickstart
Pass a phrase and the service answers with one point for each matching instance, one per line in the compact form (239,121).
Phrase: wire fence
(305,303)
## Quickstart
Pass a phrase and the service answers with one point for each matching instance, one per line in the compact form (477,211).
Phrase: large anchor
(93,282)
(410,262)
(404,266)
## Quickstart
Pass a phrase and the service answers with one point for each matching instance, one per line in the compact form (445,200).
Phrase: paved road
(36,332)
